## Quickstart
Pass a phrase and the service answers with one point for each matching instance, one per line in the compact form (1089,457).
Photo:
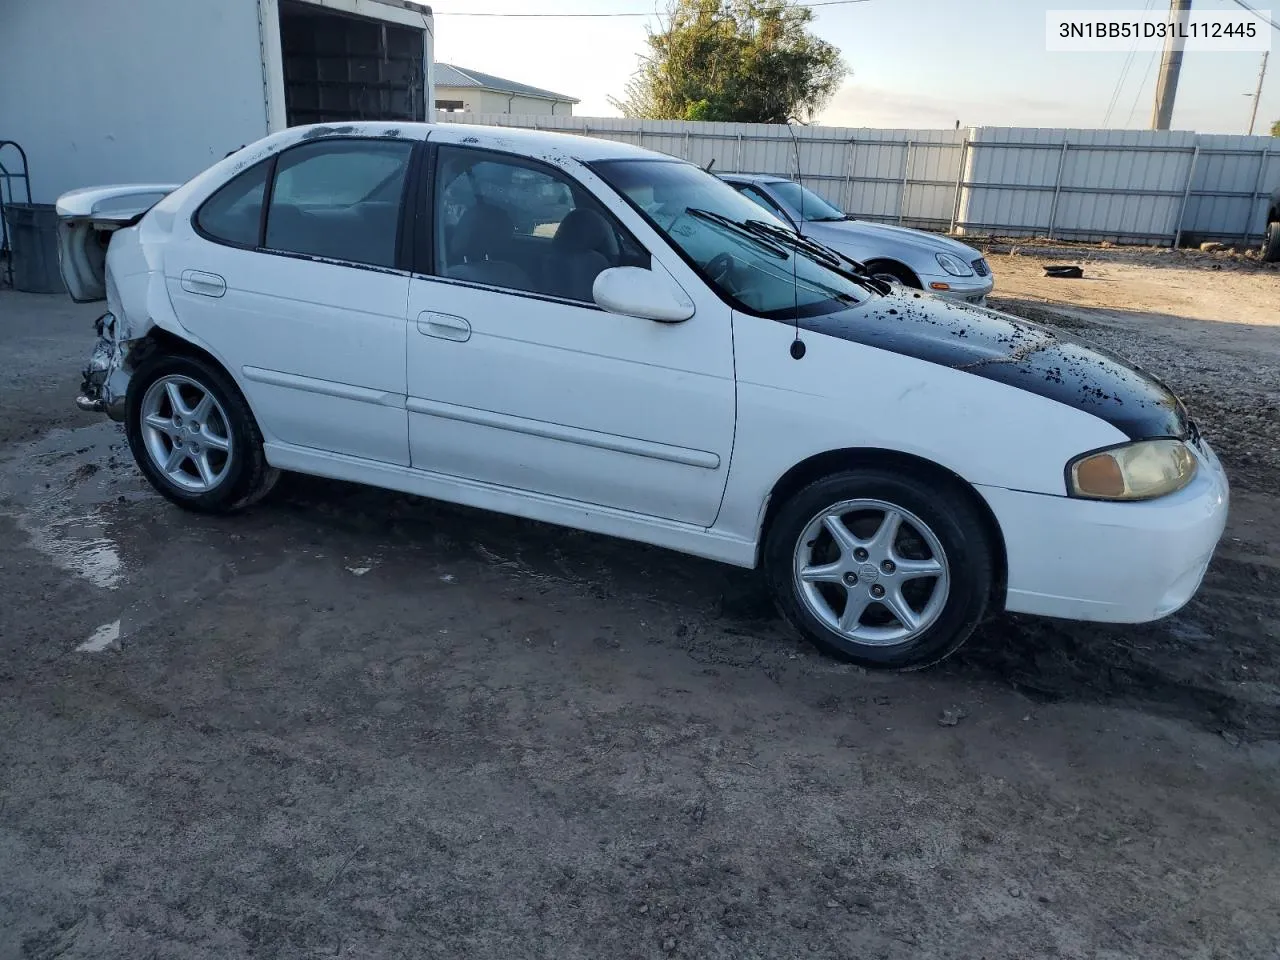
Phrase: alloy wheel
(872,572)
(186,433)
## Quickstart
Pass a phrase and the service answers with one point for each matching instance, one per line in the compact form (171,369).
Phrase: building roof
(447,75)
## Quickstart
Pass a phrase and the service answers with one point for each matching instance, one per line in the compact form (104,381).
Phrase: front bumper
(973,289)
(1111,562)
(105,381)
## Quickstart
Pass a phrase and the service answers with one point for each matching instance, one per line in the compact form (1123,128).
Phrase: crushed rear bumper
(105,382)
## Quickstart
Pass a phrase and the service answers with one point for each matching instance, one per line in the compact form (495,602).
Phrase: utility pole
(1257,94)
(1171,65)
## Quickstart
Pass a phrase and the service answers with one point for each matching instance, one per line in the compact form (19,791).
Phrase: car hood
(1015,352)
(887,235)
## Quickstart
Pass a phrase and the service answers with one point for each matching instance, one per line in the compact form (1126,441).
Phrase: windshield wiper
(776,238)
(741,228)
(820,252)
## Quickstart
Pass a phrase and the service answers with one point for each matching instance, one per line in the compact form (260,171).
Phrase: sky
(913,63)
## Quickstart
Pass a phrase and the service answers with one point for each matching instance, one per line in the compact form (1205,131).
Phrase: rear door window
(339,199)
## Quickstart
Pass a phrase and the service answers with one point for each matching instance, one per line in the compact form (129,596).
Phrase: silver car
(898,254)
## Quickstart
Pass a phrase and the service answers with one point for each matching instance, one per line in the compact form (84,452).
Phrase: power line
(650,13)
(1138,96)
(1257,13)
(1124,75)
(1115,94)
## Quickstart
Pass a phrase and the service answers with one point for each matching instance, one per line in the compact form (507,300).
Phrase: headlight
(1137,471)
(953,265)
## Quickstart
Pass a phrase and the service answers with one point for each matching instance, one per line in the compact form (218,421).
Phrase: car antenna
(797,345)
(707,168)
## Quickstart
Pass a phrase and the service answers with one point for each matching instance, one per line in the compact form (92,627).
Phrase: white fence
(1128,186)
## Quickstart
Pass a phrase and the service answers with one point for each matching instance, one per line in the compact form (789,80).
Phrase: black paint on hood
(1015,352)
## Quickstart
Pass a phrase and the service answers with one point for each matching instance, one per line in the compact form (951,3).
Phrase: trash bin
(33,247)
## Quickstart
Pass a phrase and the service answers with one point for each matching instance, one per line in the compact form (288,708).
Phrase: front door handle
(444,326)
(204,284)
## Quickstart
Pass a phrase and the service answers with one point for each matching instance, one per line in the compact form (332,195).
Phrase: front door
(306,305)
(517,379)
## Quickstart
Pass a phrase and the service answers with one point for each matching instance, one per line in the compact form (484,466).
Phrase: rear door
(294,276)
(517,378)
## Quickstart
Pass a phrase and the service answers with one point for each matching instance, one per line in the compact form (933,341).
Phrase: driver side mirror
(637,292)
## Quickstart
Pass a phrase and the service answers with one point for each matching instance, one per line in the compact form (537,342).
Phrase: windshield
(815,208)
(703,218)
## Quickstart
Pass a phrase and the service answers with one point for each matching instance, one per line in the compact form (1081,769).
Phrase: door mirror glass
(637,292)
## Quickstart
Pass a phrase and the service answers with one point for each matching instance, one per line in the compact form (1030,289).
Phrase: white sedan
(586,333)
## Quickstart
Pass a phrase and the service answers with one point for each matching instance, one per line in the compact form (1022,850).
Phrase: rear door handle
(444,326)
(204,284)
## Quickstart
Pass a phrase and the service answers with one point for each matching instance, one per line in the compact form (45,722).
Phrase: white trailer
(125,91)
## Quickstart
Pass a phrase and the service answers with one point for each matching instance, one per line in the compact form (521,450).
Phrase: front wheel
(884,569)
(886,271)
(193,436)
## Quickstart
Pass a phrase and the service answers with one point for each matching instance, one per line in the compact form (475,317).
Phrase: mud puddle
(58,489)
(80,501)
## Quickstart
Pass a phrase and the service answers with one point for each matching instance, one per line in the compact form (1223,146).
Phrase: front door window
(510,223)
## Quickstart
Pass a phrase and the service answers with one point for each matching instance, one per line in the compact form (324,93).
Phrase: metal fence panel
(1235,177)
(1121,185)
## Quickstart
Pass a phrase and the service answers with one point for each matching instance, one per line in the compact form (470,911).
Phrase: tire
(1271,246)
(224,432)
(894,273)
(948,603)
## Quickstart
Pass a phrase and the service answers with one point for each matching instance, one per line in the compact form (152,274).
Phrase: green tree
(1275,129)
(738,60)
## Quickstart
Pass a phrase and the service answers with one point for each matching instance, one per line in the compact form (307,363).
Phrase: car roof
(539,142)
(534,143)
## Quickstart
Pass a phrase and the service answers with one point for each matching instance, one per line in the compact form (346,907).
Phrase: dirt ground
(351,723)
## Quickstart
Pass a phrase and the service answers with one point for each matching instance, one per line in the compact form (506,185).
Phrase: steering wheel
(719,266)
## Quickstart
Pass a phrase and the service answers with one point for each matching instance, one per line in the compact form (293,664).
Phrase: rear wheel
(883,569)
(1271,246)
(193,436)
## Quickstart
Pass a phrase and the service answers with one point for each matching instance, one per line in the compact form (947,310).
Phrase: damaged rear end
(88,220)
(105,379)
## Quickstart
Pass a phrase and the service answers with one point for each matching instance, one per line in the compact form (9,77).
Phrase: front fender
(846,395)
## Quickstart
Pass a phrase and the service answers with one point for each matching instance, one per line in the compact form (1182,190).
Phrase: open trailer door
(345,60)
